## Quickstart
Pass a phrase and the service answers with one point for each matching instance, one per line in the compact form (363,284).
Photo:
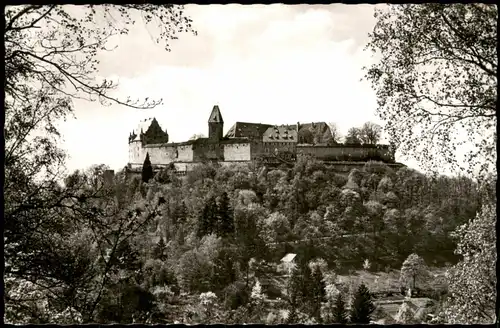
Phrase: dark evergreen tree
(225,222)
(318,293)
(159,252)
(208,218)
(147,169)
(362,306)
(300,289)
(294,287)
(306,285)
(339,314)
(293,297)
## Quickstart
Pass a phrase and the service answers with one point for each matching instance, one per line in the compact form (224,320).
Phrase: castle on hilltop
(245,143)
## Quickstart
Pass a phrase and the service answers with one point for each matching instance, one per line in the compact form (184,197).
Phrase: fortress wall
(185,153)
(267,148)
(237,152)
(256,149)
(186,167)
(131,152)
(208,151)
(160,153)
(386,152)
(346,153)
(270,147)
(331,153)
(136,153)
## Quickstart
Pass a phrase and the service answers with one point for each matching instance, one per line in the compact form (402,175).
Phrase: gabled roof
(282,133)
(314,126)
(247,130)
(320,130)
(215,116)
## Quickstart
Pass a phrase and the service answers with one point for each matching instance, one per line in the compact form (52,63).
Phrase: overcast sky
(272,64)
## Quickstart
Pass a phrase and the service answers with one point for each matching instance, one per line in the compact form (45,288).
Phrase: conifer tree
(225,223)
(318,293)
(306,286)
(362,306)
(208,218)
(159,250)
(147,169)
(294,287)
(339,314)
(293,291)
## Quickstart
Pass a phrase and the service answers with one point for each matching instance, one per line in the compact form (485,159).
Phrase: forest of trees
(127,251)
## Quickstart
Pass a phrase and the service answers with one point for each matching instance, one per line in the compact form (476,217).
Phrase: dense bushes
(222,228)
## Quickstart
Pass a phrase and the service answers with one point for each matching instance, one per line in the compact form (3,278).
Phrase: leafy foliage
(413,267)
(353,136)
(370,133)
(437,79)
(65,239)
(405,314)
(472,281)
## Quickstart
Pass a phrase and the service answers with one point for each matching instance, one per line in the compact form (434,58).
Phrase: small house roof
(288,257)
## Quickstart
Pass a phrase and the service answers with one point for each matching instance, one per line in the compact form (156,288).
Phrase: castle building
(245,143)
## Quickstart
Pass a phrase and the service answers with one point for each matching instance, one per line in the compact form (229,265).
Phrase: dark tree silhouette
(339,314)
(318,293)
(225,223)
(147,169)
(208,218)
(159,250)
(362,306)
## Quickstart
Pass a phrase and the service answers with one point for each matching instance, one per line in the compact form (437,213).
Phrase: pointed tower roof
(215,116)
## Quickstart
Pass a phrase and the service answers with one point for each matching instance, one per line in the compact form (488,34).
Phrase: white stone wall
(160,154)
(237,152)
(185,153)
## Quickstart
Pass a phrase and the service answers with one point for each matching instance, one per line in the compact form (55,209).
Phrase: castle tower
(215,124)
